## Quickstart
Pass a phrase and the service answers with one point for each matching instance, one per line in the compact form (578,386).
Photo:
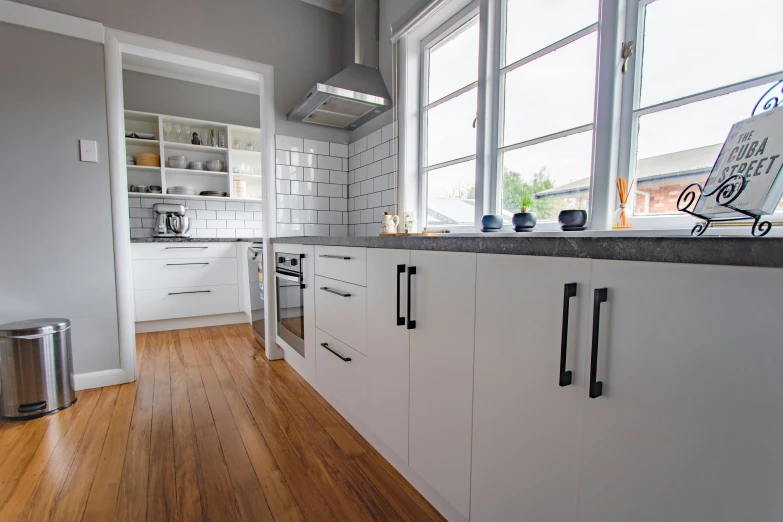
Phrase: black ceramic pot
(491,223)
(572,218)
(524,221)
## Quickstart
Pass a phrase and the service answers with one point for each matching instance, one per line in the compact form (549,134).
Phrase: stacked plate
(182,191)
(213,193)
(146,159)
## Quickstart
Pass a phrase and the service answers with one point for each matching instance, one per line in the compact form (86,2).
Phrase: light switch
(88,151)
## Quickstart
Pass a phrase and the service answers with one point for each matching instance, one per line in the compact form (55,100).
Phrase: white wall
(57,257)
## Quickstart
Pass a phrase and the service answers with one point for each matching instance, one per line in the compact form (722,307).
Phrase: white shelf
(142,168)
(180,196)
(250,176)
(195,172)
(189,146)
(139,141)
(255,154)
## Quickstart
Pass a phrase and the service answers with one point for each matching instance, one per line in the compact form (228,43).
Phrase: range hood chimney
(356,94)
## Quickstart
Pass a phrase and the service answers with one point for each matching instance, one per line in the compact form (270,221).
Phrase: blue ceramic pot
(524,221)
(491,223)
(572,218)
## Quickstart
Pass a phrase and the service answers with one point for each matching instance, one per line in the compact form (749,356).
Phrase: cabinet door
(525,424)
(441,372)
(388,348)
(689,424)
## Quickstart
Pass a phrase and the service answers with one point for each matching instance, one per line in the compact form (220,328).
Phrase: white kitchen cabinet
(341,311)
(443,292)
(342,373)
(388,347)
(689,424)
(176,272)
(526,421)
(347,264)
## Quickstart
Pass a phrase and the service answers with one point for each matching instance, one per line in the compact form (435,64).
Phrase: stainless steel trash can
(36,370)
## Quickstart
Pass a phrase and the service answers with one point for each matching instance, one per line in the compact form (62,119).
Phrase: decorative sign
(753,151)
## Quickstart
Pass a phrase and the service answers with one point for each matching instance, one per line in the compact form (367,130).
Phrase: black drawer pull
(193,292)
(345,258)
(569,291)
(400,271)
(346,359)
(411,273)
(33,406)
(596,386)
(335,292)
(185,264)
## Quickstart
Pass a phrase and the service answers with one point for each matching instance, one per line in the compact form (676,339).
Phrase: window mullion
(488,113)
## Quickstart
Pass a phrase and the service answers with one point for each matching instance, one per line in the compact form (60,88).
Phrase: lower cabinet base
(191,322)
(437,501)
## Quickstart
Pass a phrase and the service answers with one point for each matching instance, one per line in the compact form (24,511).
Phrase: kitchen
(233,307)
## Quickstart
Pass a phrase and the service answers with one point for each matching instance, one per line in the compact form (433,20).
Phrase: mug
(156,189)
(139,188)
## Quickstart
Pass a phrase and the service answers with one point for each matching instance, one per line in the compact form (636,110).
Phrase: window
(692,83)
(548,77)
(449,86)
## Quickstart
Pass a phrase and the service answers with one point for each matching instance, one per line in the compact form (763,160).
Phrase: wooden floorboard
(211,430)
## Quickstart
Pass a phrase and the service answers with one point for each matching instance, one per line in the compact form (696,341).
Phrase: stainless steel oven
(289,290)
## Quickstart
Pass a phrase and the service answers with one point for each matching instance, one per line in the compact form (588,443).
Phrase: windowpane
(531,26)
(454,61)
(450,131)
(451,195)
(691,46)
(678,146)
(557,173)
(553,93)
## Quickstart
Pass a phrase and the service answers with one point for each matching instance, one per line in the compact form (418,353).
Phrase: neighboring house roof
(684,164)
(446,211)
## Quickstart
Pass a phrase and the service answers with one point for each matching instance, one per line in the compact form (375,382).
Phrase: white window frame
(631,112)
(434,38)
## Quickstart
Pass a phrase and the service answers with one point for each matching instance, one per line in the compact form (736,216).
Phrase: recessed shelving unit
(239,147)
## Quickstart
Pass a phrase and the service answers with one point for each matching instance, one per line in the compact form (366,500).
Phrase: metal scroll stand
(728,191)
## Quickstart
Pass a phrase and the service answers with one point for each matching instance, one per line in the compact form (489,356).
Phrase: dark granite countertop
(738,251)
(195,239)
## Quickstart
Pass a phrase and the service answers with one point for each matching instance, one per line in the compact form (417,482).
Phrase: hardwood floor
(211,430)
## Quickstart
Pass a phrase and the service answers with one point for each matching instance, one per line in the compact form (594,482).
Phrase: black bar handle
(334,257)
(193,292)
(596,387)
(400,271)
(346,359)
(335,292)
(33,406)
(569,291)
(411,273)
(185,264)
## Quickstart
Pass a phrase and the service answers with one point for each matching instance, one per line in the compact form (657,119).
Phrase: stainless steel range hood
(356,94)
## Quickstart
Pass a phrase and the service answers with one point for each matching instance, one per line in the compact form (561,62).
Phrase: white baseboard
(85,381)
(191,322)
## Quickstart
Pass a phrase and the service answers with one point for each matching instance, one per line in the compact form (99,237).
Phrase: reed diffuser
(623,192)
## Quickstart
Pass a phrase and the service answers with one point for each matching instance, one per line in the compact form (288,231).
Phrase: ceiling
(330,5)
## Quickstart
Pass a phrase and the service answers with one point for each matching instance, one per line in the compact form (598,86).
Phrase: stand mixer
(170,220)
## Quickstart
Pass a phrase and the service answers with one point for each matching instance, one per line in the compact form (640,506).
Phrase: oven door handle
(287,277)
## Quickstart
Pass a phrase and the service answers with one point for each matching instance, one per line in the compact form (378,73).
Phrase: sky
(689,46)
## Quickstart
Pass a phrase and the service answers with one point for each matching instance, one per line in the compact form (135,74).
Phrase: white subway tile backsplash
(226,232)
(388,197)
(241,214)
(330,217)
(196,204)
(387,165)
(283,186)
(198,223)
(216,205)
(367,215)
(327,189)
(289,143)
(135,223)
(361,202)
(316,175)
(190,213)
(304,188)
(316,147)
(345,191)
(258,216)
(316,230)
(328,162)
(345,164)
(235,223)
(387,133)
(381,151)
(247,232)
(235,205)
(134,202)
(226,214)
(288,172)
(374,169)
(374,199)
(148,222)
(354,217)
(289,201)
(283,215)
(303,160)
(338,204)
(304,216)
(367,186)
(253,207)
(338,176)
(140,212)
(316,203)
(207,233)
(289,229)
(338,149)
(366,157)
(282,157)
(216,223)
(354,162)
(361,174)
(255,224)
(351,147)
(378,214)
(206,214)
(351,204)
(141,232)
(374,139)
(148,202)
(381,183)
(360,145)
(338,230)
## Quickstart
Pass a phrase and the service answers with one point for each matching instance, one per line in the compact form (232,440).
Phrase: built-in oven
(255,272)
(289,291)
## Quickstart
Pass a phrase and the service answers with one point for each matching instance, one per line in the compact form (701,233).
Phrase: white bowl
(216,165)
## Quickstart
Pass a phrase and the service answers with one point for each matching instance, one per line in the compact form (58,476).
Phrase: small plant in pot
(524,220)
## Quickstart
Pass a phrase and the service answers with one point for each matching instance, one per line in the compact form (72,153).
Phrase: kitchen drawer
(345,381)
(342,316)
(182,250)
(173,273)
(342,263)
(170,303)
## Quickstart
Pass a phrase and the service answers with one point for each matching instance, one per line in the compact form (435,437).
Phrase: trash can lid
(34,327)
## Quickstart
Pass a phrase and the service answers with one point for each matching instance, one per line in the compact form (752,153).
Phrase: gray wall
(300,40)
(150,93)
(57,257)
